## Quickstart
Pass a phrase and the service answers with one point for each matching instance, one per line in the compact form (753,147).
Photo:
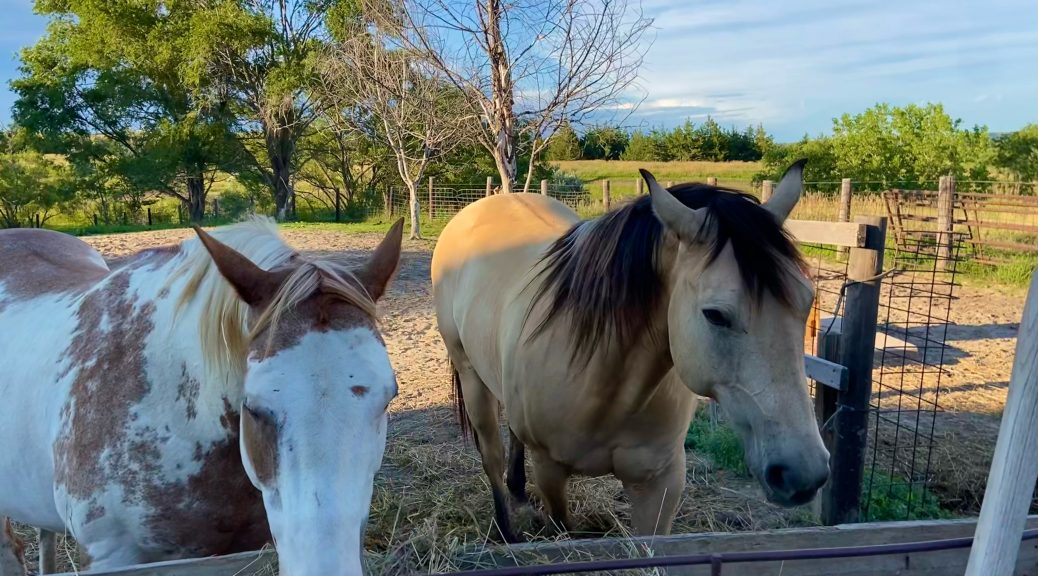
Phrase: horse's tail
(459,404)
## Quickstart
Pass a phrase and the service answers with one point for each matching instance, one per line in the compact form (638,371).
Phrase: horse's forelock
(227,325)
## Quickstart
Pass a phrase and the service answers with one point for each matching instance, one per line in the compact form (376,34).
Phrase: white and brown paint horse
(196,400)
(594,335)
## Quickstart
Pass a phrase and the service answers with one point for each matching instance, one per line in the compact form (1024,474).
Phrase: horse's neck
(642,367)
(177,355)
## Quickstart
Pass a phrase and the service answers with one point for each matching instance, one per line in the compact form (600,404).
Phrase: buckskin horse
(196,400)
(594,335)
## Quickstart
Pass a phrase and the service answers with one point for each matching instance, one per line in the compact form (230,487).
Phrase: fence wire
(916,298)
(912,333)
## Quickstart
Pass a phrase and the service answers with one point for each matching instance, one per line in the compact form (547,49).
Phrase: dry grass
(432,506)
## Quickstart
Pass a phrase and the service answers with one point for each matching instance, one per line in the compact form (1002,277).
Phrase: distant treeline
(707,141)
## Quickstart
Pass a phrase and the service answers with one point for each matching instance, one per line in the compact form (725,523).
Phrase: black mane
(603,275)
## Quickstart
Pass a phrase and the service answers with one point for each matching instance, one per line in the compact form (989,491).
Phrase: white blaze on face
(327,396)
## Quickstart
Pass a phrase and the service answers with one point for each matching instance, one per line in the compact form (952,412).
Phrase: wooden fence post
(390,198)
(766,188)
(490,185)
(945,220)
(605,195)
(711,181)
(857,349)
(338,206)
(431,209)
(639,186)
(149,215)
(845,208)
(38,225)
(1014,469)
(544,187)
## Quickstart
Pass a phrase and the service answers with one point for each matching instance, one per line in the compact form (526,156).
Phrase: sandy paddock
(431,496)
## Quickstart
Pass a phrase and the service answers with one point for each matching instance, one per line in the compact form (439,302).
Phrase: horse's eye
(716,317)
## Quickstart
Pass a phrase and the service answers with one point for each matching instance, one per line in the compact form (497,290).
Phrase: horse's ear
(253,284)
(380,268)
(787,193)
(684,221)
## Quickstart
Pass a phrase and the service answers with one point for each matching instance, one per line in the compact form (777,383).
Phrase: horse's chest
(177,504)
(216,510)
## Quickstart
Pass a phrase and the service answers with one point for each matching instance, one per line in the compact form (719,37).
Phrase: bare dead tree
(526,66)
(418,115)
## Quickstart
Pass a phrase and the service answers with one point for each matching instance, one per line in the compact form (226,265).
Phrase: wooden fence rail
(931,563)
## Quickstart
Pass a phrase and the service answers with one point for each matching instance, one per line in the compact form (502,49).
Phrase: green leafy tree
(260,56)
(563,145)
(683,143)
(1017,152)
(714,141)
(647,147)
(604,143)
(115,72)
(909,146)
(31,183)
(821,169)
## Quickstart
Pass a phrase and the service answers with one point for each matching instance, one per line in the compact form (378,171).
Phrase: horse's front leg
(552,480)
(654,497)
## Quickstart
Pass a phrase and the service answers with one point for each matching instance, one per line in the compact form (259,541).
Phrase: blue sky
(793,65)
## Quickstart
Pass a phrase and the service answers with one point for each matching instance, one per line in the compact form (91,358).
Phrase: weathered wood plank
(1014,470)
(943,563)
(825,372)
(241,564)
(851,234)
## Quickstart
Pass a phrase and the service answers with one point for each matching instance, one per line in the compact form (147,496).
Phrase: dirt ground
(431,497)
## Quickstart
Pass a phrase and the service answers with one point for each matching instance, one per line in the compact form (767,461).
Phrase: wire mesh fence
(445,201)
(912,346)
(916,296)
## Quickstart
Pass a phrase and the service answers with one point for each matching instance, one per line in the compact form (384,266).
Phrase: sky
(792,65)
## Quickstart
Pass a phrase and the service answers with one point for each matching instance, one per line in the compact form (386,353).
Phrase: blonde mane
(224,329)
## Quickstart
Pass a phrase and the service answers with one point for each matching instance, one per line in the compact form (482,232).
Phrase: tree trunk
(503,98)
(416,210)
(281,147)
(529,170)
(196,197)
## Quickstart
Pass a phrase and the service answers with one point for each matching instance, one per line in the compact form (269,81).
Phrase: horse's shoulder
(35,262)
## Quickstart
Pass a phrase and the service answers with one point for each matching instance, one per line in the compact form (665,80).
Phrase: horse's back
(36,262)
(492,225)
(482,257)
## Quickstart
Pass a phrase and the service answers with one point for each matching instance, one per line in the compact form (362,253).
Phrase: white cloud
(794,66)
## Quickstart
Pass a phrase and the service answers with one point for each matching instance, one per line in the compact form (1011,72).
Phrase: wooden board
(850,234)
(242,564)
(942,563)
(825,372)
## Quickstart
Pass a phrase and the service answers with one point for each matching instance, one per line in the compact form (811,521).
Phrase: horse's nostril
(775,476)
